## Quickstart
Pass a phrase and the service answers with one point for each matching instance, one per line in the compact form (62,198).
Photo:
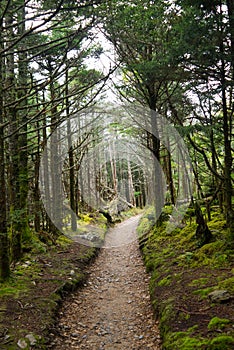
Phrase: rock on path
(113,310)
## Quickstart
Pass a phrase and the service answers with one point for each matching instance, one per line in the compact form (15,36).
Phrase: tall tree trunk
(158,183)
(37,207)
(56,209)
(22,224)
(230,6)
(4,249)
(169,176)
(130,184)
(47,223)
(71,160)
(227,145)
(13,159)
(71,174)
(113,167)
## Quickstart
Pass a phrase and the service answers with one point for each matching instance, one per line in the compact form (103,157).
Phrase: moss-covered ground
(182,275)
(30,299)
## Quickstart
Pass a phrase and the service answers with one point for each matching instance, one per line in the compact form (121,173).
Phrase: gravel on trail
(113,309)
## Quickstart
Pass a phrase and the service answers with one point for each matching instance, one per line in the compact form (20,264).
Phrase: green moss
(185,258)
(192,329)
(12,290)
(204,292)
(186,235)
(222,342)
(217,224)
(166,281)
(166,315)
(63,241)
(211,248)
(199,282)
(34,244)
(152,262)
(38,247)
(227,284)
(153,279)
(218,323)
(182,341)
(89,254)
(146,222)
(85,218)
(143,227)
(131,212)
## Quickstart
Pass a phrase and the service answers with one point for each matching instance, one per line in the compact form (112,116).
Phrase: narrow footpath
(113,310)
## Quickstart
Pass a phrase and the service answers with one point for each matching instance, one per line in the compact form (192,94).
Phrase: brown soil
(113,310)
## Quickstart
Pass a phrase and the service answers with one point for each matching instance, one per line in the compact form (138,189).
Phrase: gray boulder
(219,296)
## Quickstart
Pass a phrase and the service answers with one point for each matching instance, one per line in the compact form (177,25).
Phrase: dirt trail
(113,310)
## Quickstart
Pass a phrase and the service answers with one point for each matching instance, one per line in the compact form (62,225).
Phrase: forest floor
(70,297)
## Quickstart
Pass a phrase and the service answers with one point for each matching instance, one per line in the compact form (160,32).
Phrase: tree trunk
(71,175)
(230,6)
(56,209)
(227,148)
(22,223)
(13,147)
(37,207)
(130,185)
(155,141)
(203,233)
(4,249)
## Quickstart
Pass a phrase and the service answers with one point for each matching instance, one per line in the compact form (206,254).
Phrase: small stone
(31,339)
(66,327)
(81,325)
(22,344)
(219,296)
(72,272)
(141,337)
(75,335)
